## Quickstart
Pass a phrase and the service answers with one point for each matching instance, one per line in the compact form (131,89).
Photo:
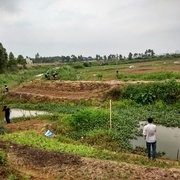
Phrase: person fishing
(149,133)
(7,113)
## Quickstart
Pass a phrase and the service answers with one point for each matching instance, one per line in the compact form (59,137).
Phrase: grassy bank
(32,138)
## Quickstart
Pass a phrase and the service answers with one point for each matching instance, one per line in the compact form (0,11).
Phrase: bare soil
(62,91)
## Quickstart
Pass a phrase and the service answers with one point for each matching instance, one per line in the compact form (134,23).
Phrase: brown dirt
(62,91)
(40,164)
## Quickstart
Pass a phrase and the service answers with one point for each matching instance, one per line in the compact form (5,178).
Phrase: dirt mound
(61,90)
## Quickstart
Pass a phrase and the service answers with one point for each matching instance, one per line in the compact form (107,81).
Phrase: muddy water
(168,140)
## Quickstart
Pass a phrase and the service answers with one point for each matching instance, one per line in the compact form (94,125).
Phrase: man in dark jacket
(7,113)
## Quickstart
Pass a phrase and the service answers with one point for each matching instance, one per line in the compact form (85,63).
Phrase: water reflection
(168,140)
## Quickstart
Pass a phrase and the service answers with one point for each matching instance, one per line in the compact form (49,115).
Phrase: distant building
(28,60)
(37,56)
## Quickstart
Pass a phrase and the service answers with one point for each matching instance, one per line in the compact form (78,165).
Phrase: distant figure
(117,73)
(7,113)
(6,89)
(149,133)
(47,75)
(55,75)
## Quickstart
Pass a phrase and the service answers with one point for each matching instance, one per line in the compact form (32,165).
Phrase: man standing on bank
(149,133)
(7,114)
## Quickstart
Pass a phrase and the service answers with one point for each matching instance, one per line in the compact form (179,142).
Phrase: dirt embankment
(61,90)
(65,91)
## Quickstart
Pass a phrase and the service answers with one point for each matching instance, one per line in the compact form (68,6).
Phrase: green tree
(80,58)
(97,57)
(74,58)
(21,60)
(120,57)
(130,56)
(12,63)
(149,52)
(3,58)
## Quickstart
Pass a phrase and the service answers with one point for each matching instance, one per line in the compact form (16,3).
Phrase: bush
(2,129)
(105,139)
(78,66)
(2,157)
(113,94)
(168,92)
(86,64)
(89,119)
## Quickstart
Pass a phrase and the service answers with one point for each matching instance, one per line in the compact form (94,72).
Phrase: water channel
(168,140)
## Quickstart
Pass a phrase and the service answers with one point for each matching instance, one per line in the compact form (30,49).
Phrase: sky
(89,27)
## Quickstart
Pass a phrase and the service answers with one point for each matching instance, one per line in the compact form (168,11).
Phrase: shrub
(2,129)
(78,66)
(114,94)
(86,64)
(89,119)
(105,139)
(168,92)
(2,157)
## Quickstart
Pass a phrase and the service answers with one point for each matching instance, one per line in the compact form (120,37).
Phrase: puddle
(20,113)
(168,140)
(15,113)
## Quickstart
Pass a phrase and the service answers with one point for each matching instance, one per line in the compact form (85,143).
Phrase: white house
(28,60)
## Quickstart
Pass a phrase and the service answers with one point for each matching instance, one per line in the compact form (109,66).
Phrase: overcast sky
(89,27)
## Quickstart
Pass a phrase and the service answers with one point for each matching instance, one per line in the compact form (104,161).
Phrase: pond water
(168,141)
(20,113)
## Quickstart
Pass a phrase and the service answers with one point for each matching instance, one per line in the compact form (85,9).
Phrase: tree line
(9,62)
(80,58)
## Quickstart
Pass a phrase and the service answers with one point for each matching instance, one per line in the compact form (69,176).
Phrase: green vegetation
(157,76)
(2,157)
(33,138)
(85,130)
(167,92)
(14,79)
